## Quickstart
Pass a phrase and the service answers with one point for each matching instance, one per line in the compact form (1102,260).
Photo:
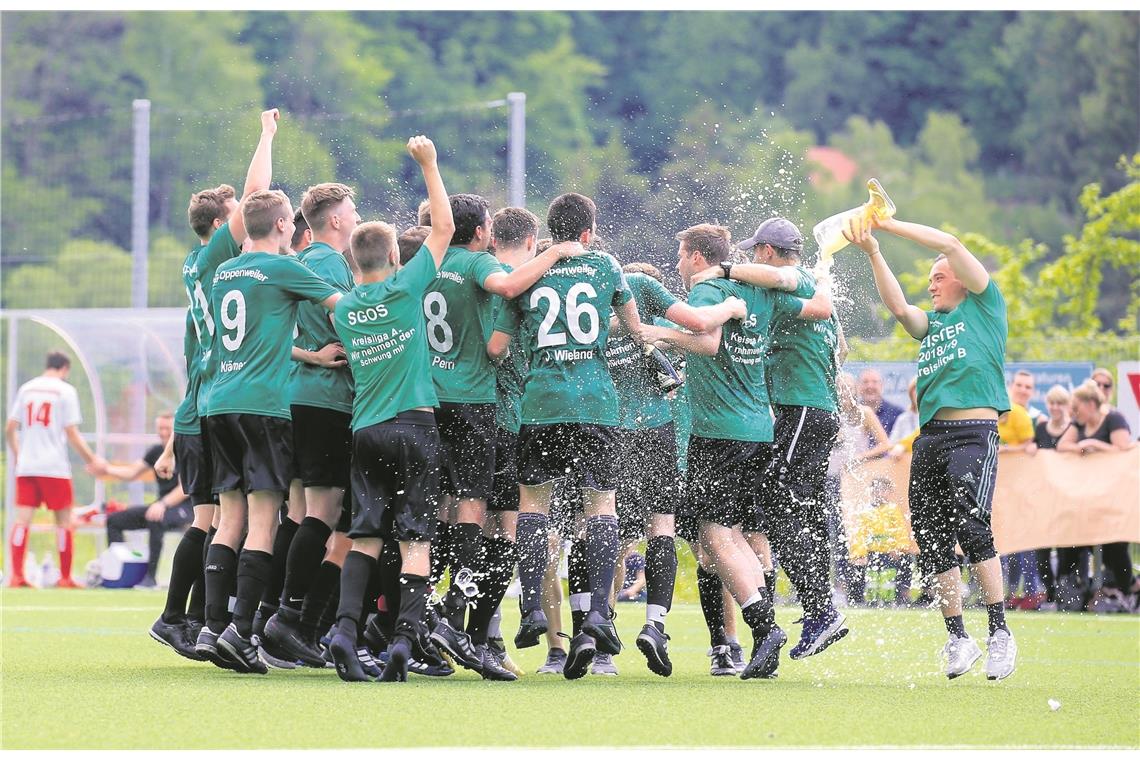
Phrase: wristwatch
(726,267)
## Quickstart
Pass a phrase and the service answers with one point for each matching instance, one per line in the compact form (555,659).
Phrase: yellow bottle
(828,234)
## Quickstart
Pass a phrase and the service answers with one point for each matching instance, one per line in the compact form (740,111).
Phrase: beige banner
(1041,500)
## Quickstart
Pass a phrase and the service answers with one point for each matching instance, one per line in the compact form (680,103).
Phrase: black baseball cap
(777,232)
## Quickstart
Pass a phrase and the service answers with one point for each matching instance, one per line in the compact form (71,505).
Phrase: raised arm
(966,266)
(912,318)
(442,222)
(762,275)
(701,319)
(513,284)
(260,171)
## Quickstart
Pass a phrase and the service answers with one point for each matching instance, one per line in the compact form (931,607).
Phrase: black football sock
(601,558)
(187,567)
(440,550)
(390,588)
(578,580)
(328,616)
(712,605)
(499,563)
(328,578)
(354,580)
(371,597)
(758,613)
(531,540)
(660,576)
(466,554)
(254,569)
(305,554)
(770,582)
(996,613)
(955,626)
(221,582)
(413,604)
(281,542)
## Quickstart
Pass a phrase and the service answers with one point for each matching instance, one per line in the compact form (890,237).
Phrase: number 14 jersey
(44,407)
(564,322)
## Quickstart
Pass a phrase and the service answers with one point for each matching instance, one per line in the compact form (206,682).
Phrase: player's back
(45,407)
(564,324)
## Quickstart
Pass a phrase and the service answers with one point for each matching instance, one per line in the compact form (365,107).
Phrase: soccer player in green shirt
(961,393)
(395,441)
(802,364)
(254,306)
(215,218)
(730,446)
(458,308)
(320,389)
(647,485)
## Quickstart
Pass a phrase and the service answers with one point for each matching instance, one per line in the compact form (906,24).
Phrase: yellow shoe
(499,649)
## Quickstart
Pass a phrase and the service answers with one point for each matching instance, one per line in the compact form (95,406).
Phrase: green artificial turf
(79,671)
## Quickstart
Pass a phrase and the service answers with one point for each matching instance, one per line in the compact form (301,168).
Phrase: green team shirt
(640,405)
(221,248)
(254,303)
(727,392)
(458,314)
(801,361)
(961,361)
(310,385)
(186,420)
(563,322)
(510,373)
(381,325)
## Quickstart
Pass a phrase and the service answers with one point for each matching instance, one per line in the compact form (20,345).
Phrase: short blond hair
(642,267)
(371,244)
(261,210)
(317,201)
(1058,393)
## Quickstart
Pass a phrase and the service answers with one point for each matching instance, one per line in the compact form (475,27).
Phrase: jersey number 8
(439,333)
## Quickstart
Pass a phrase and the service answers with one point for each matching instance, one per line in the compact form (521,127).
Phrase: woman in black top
(1097,427)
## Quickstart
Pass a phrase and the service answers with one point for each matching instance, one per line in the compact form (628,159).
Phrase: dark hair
(423,214)
(410,241)
(469,212)
(371,243)
(543,244)
(301,225)
(713,241)
(642,267)
(206,206)
(569,215)
(57,360)
(511,226)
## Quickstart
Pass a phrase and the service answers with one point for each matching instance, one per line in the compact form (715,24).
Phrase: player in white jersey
(43,419)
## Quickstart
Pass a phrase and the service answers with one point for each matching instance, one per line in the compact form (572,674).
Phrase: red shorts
(33,490)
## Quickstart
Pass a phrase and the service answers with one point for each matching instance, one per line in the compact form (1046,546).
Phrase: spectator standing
(871,394)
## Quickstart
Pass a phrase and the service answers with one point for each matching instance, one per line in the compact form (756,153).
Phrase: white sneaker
(960,655)
(1001,656)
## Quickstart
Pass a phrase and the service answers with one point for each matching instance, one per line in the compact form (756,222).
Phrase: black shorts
(395,478)
(322,446)
(195,471)
(581,453)
(952,476)
(251,452)
(505,492)
(647,477)
(467,432)
(802,446)
(721,481)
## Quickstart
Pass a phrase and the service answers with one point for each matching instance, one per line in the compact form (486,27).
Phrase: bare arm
(762,275)
(1121,440)
(260,171)
(705,344)
(873,428)
(331,355)
(818,307)
(499,345)
(80,445)
(966,266)
(130,471)
(701,319)
(164,467)
(11,431)
(442,222)
(513,284)
(1068,440)
(842,349)
(912,318)
(628,316)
